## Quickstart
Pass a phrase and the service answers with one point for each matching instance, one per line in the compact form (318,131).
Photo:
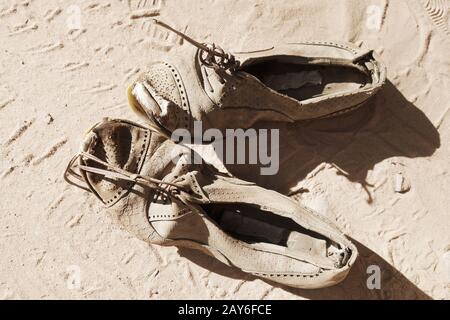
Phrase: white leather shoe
(293,82)
(151,189)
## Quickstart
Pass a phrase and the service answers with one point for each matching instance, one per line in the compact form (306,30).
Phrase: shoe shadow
(388,126)
(393,285)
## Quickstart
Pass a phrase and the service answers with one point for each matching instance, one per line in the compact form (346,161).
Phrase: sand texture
(382,173)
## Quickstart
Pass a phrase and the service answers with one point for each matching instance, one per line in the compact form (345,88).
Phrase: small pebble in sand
(48,118)
(401,184)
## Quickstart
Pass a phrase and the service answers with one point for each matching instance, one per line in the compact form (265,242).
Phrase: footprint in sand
(154,36)
(50,151)
(6,101)
(23,28)
(104,50)
(144,8)
(99,88)
(72,66)
(21,163)
(97,6)
(159,38)
(74,34)
(438,12)
(44,48)
(130,73)
(7,8)
(18,132)
(52,14)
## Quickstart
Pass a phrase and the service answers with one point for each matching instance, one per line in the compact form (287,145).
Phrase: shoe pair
(155,190)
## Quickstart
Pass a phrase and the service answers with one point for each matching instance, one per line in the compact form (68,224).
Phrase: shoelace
(170,189)
(212,55)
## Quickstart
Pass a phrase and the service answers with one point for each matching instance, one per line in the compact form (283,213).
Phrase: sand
(381,173)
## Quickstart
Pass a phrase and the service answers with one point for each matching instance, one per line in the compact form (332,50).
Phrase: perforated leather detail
(166,81)
(285,275)
(123,146)
(156,216)
(347,47)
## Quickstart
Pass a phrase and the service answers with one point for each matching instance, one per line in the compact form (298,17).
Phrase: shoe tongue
(121,144)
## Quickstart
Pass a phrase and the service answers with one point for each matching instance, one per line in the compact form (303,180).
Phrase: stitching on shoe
(329,43)
(272,275)
(185,117)
(121,192)
(180,213)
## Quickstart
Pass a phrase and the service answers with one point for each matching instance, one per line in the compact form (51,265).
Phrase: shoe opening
(300,80)
(119,144)
(253,225)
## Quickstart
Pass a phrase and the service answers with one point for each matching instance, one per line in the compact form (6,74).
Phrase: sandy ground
(55,82)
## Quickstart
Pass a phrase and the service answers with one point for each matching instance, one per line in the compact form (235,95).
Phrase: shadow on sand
(389,126)
(393,284)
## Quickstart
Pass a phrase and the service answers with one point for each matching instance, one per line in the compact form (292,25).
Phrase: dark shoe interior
(305,81)
(113,145)
(251,224)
